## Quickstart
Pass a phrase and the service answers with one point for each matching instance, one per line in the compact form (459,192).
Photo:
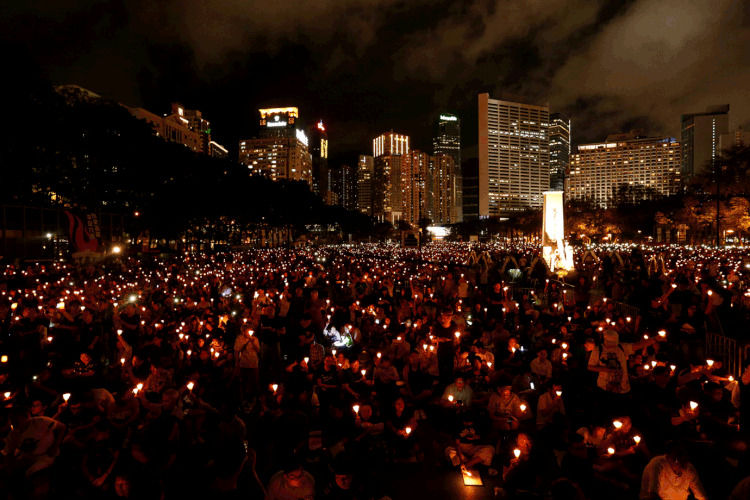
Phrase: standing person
(443,332)
(246,350)
(610,361)
(671,476)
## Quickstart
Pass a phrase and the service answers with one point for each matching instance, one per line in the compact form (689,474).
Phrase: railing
(625,309)
(726,350)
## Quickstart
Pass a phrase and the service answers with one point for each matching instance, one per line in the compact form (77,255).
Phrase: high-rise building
(365,174)
(387,195)
(174,127)
(416,187)
(445,197)
(345,186)
(559,150)
(448,142)
(700,138)
(598,171)
(218,151)
(279,123)
(321,175)
(386,185)
(470,177)
(448,138)
(281,151)
(513,155)
(390,144)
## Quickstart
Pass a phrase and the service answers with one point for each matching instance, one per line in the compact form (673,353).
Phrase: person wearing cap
(671,476)
(610,361)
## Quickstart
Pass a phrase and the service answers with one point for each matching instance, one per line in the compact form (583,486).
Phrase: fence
(729,351)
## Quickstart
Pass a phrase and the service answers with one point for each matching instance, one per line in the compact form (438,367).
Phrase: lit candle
(119,332)
(693,405)
(379,355)
(672,367)
(408,430)
(363,372)
(617,424)
(7,395)
(517,452)
(450,398)
(710,362)
(122,360)
(66,397)
(190,386)
(611,450)
(559,393)
(522,407)
(356,409)
(274,387)
(637,439)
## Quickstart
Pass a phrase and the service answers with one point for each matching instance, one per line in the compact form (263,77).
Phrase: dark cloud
(367,66)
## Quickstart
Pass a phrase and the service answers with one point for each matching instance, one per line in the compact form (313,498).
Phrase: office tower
(386,184)
(416,187)
(318,138)
(445,197)
(470,178)
(390,144)
(365,174)
(279,123)
(281,151)
(345,186)
(700,138)
(448,142)
(559,150)
(448,138)
(513,155)
(597,171)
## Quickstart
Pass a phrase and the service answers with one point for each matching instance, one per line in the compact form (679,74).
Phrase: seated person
(468,449)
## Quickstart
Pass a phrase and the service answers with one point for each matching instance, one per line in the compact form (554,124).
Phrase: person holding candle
(400,424)
(609,360)
(457,395)
(467,450)
(550,414)
(246,355)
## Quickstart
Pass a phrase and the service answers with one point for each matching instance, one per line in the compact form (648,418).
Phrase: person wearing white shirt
(541,366)
(671,476)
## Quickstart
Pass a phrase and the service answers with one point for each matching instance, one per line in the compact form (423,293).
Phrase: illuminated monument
(555,251)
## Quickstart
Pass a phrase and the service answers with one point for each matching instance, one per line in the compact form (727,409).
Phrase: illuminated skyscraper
(321,175)
(448,142)
(445,197)
(598,171)
(513,155)
(390,144)
(282,151)
(700,138)
(386,184)
(559,150)
(365,174)
(344,180)
(416,187)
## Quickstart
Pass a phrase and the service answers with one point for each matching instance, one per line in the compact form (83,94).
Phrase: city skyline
(610,67)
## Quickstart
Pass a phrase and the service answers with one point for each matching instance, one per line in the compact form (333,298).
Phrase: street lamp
(116,250)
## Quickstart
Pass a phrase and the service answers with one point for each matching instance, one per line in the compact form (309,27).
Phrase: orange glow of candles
(617,424)
(408,430)
(611,450)
(66,397)
(693,405)
(517,452)
(637,439)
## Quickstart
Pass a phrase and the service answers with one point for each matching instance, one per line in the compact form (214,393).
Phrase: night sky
(368,66)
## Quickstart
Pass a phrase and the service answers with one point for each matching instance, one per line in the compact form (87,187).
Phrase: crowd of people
(299,373)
